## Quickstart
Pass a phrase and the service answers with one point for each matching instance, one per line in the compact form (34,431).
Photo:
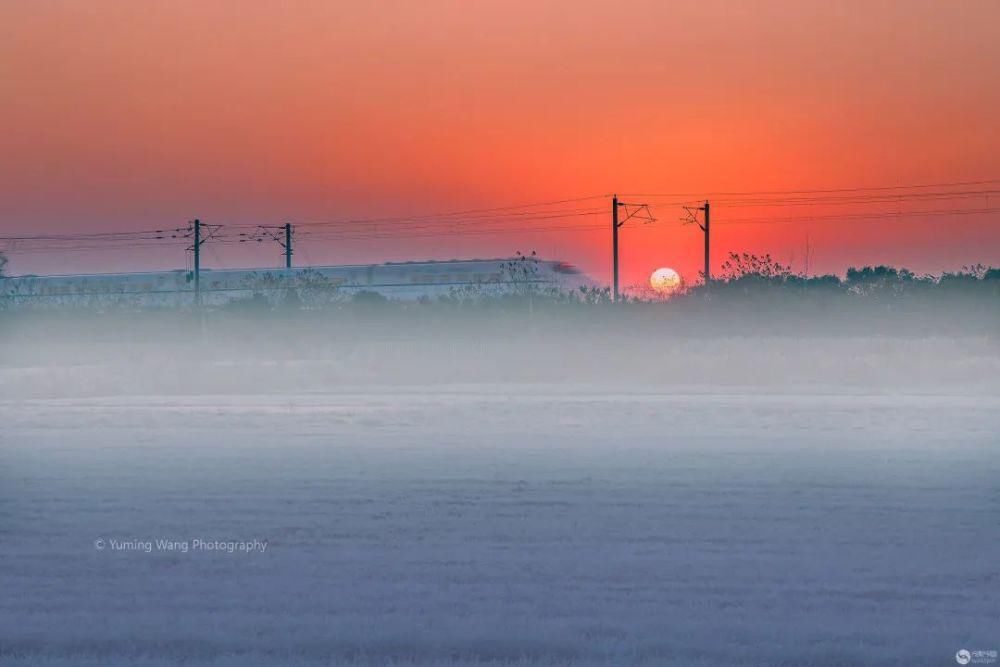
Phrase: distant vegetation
(754,276)
(750,293)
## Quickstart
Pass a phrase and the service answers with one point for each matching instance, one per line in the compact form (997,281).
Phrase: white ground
(502,525)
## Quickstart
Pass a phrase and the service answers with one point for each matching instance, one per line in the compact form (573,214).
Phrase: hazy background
(824,346)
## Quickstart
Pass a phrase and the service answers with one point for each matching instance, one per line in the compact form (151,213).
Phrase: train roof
(429,262)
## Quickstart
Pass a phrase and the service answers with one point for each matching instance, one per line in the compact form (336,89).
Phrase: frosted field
(501,525)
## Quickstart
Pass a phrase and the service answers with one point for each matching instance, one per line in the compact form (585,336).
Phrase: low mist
(688,343)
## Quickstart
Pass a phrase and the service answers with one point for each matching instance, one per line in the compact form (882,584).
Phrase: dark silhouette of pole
(197,262)
(637,211)
(614,246)
(691,218)
(288,245)
(708,274)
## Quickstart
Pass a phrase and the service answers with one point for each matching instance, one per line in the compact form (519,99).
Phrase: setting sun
(665,281)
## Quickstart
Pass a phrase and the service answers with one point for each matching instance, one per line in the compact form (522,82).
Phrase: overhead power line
(463,213)
(565,215)
(514,212)
(451,224)
(880,188)
(512,217)
(85,248)
(860,199)
(905,216)
(437,231)
(152,234)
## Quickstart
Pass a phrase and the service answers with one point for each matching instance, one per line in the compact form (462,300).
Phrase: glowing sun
(665,281)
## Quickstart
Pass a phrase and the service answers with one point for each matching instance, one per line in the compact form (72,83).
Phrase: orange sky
(126,115)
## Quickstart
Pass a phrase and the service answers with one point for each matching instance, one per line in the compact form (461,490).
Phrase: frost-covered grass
(501,526)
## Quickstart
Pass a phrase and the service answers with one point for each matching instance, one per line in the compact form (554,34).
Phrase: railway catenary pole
(692,219)
(197,262)
(614,247)
(638,211)
(199,233)
(708,270)
(288,245)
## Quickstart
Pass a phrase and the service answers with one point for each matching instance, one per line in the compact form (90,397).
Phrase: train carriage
(404,281)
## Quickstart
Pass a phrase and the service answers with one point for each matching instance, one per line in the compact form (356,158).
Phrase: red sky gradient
(137,115)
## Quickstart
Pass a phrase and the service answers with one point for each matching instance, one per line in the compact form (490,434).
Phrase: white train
(407,281)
